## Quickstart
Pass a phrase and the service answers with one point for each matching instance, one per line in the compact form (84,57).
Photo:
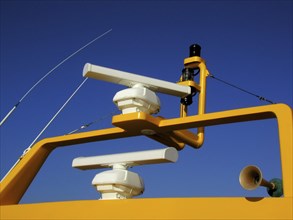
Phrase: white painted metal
(165,155)
(137,99)
(130,79)
(118,183)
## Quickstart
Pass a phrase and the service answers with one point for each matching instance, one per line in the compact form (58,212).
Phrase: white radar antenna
(119,183)
(141,94)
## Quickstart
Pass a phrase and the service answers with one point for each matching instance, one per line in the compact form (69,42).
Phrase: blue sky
(247,43)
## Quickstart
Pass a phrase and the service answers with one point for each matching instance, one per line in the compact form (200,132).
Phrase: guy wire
(261,98)
(93,122)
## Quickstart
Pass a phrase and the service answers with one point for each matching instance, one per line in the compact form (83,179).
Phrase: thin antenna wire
(93,122)
(47,125)
(48,73)
(243,90)
(62,107)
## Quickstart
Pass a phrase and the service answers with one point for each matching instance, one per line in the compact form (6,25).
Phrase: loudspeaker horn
(251,178)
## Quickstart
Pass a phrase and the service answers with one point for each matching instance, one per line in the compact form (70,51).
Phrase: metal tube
(196,141)
(267,184)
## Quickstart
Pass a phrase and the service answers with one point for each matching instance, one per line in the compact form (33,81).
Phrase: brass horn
(251,177)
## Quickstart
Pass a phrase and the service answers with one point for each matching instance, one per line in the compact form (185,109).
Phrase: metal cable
(47,125)
(261,98)
(48,73)
(57,113)
(93,122)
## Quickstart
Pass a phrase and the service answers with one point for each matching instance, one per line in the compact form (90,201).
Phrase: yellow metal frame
(16,183)
(171,132)
(196,62)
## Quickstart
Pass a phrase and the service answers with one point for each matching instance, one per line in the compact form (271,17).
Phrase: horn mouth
(250,177)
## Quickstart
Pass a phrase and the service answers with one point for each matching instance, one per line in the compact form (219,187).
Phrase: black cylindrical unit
(194,50)
(187,74)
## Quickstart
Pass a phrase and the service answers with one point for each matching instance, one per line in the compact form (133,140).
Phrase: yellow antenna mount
(191,63)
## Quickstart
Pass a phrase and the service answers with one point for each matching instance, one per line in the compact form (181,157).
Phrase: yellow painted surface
(171,132)
(16,183)
(160,208)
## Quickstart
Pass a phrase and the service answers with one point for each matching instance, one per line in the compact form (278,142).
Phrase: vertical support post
(196,62)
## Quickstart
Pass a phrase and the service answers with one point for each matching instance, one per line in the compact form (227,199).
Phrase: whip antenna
(47,125)
(52,119)
(48,73)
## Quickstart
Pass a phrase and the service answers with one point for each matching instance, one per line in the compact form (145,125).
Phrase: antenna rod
(48,73)
(47,125)
(56,114)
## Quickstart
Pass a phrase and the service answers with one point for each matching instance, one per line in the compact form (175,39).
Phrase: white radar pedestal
(119,183)
(137,99)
